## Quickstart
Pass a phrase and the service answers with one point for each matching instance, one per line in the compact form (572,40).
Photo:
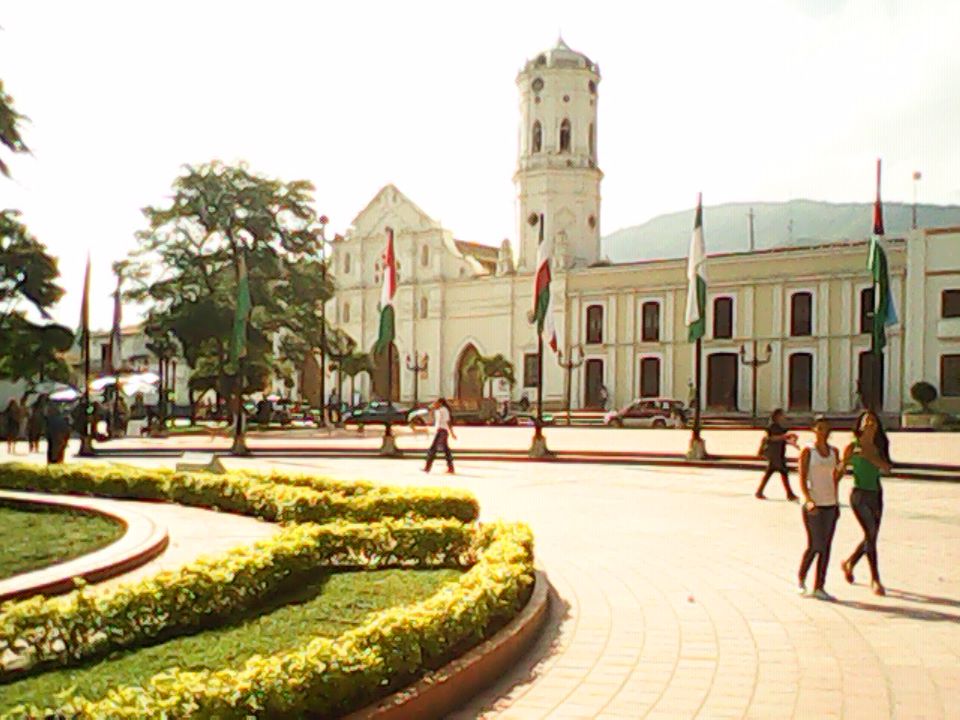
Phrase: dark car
(376,413)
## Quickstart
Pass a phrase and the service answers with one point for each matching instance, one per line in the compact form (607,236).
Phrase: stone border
(444,690)
(143,541)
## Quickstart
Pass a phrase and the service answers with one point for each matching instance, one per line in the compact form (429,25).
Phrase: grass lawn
(327,605)
(32,538)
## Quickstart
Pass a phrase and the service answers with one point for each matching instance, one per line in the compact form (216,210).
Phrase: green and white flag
(884,313)
(697,279)
(389,289)
(238,341)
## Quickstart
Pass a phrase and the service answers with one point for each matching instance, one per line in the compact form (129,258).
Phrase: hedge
(45,632)
(296,498)
(330,677)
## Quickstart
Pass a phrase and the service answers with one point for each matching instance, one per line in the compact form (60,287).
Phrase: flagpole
(86,441)
(239,446)
(698,360)
(538,448)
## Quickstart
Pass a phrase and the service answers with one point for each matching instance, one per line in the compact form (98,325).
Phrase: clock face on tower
(537,84)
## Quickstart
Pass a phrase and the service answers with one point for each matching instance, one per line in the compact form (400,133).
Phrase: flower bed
(326,676)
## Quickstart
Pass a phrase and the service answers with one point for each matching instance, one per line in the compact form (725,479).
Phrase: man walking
(443,429)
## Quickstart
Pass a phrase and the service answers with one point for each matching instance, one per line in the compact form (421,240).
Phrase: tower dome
(557,173)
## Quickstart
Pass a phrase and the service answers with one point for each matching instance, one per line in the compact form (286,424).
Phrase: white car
(648,412)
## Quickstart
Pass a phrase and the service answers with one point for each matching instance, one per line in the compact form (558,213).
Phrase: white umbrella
(101,383)
(65,394)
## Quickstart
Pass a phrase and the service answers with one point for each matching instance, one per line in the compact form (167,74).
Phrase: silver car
(648,412)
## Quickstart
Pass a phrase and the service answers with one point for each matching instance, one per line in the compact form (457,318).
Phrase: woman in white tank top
(820,471)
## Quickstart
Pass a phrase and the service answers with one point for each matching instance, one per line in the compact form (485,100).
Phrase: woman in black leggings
(775,449)
(868,456)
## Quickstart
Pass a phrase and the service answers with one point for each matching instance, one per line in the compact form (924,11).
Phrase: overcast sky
(744,100)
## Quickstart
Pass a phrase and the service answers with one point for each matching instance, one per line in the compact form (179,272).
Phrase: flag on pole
(387,291)
(116,354)
(697,279)
(85,314)
(238,341)
(884,312)
(542,301)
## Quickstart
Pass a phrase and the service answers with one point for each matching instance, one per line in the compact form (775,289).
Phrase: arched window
(592,139)
(345,312)
(424,307)
(595,324)
(346,263)
(565,136)
(536,141)
(425,255)
(723,317)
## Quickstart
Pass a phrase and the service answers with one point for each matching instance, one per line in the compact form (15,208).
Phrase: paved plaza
(674,593)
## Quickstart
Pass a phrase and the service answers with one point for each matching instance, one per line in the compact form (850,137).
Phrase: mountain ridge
(792,223)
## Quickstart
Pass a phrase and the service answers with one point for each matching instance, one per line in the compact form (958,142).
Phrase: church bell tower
(557,172)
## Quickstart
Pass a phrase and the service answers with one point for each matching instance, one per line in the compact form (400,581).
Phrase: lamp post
(755,362)
(573,361)
(416,366)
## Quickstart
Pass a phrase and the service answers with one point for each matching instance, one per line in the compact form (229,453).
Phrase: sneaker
(426,470)
(847,571)
(801,589)
(792,498)
(759,495)
(878,588)
(451,472)
(821,594)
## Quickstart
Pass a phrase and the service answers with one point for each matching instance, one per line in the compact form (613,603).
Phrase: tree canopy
(28,274)
(493,367)
(9,132)
(185,271)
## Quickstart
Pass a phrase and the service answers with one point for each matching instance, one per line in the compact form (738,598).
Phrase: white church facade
(810,305)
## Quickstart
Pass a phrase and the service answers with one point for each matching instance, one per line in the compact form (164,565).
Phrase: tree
(9,132)
(353,364)
(28,351)
(925,394)
(493,367)
(185,270)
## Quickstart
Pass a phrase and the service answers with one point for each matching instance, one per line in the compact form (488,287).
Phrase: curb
(143,541)
(444,690)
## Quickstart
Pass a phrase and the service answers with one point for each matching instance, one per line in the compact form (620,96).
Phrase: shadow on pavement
(902,612)
(527,669)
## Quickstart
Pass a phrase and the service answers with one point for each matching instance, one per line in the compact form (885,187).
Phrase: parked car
(376,413)
(649,412)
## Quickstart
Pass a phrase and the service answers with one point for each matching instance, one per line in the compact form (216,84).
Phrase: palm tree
(351,365)
(493,367)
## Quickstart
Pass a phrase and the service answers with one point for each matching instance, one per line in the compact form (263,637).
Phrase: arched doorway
(379,374)
(469,378)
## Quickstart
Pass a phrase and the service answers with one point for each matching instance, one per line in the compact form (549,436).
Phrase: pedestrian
(820,472)
(604,396)
(36,424)
(868,457)
(774,449)
(11,425)
(58,434)
(443,428)
(333,407)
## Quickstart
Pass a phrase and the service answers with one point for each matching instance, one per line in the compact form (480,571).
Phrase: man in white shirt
(443,428)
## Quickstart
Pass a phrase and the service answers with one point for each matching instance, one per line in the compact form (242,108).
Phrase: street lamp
(755,362)
(416,366)
(573,361)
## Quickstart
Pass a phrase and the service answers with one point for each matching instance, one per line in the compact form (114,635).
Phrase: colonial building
(810,305)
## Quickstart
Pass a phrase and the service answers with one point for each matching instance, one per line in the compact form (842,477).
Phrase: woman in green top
(868,456)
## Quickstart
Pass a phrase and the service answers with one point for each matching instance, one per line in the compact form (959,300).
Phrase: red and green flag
(697,279)
(542,301)
(387,292)
(884,312)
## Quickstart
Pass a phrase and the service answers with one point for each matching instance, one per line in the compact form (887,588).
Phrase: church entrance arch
(469,377)
(382,364)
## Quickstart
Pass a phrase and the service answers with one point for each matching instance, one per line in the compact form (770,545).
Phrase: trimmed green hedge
(61,631)
(331,677)
(325,676)
(297,499)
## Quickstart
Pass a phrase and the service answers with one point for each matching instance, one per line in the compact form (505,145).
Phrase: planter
(922,421)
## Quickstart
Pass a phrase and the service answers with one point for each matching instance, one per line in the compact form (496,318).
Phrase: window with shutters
(723,317)
(950,375)
(650,330)
(950,304)
(595,324)
(650,377)
(801,314)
